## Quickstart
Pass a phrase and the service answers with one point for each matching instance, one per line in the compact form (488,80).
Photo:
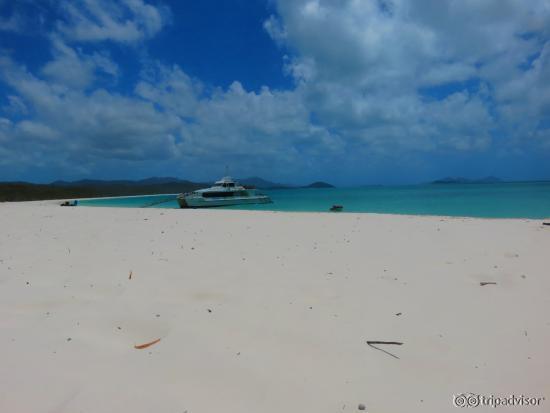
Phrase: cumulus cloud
(96,125)
(362,66)
(170,117)
(378,79)
(267,123)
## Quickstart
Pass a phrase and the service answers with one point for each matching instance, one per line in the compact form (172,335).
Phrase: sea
(494,200)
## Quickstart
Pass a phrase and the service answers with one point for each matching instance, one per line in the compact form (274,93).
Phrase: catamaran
(224,192)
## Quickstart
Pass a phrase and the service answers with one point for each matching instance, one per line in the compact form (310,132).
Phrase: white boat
(224,192)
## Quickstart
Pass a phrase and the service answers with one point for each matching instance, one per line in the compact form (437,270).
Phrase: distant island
(461,180)
(96,188)
(319,184)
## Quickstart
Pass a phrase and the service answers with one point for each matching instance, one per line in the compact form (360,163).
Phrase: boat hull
(200,202)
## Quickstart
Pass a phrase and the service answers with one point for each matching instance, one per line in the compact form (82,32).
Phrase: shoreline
(52,202)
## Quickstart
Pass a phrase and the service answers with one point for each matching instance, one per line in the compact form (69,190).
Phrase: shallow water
(509,200)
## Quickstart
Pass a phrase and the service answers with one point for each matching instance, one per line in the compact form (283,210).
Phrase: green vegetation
(23,191)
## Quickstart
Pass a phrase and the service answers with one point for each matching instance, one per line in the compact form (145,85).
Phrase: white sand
(293,299)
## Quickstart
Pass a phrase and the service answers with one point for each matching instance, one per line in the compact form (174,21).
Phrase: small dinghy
(336,208)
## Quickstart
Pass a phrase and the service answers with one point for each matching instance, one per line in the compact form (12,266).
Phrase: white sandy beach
(268,312)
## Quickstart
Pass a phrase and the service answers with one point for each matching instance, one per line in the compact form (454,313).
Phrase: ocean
(501,200)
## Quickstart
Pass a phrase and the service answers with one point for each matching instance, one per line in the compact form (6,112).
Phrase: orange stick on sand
(142,346)
(130,276)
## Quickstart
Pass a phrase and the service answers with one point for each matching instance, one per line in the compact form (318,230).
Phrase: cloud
(170,88)
(75,69)
(5,128)
(170,117)
(36,131)
(375,82)
(266,123)
(125,21)
(12,23)
(275,29)
(89,126)
(362,68)
(15,106)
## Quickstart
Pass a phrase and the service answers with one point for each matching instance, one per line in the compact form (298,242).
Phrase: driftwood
(546,223)
(142,346)
(130,275)
(374,343)
(487,283)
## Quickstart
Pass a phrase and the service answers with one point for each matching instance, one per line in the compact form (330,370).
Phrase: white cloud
(275,29)
(125,21)
(264,123)
(170,88)
(373,80)
(75,69)
(446,73)
(169,118)
(362,67)
(96,125)
(35,131)
(244,128)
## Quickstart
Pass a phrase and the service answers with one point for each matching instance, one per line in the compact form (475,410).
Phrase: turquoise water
(510,200)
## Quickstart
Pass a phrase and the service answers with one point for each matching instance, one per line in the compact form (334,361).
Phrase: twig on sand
(372,344)
(142,346)
(487,283)
(130,275)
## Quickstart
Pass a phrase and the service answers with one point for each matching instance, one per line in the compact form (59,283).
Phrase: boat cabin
(226,187)
(226,182)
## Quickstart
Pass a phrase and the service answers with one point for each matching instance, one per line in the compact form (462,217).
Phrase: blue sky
(352,92)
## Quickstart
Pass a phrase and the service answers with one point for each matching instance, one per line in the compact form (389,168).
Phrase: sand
(268,312)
